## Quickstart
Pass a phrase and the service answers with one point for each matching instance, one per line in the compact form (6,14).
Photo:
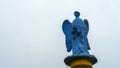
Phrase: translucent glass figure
(76,35)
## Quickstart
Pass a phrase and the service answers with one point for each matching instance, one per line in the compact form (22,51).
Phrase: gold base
(80,61)
(83,63)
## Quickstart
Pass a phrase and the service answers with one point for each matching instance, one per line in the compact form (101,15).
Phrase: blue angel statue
(76,35)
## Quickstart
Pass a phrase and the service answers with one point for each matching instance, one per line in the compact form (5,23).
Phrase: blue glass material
(76,35)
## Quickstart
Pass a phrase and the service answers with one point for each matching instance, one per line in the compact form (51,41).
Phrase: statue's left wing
(66,27)
(85,38)
(87,24)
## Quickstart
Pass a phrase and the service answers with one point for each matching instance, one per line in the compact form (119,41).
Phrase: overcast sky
(31,34)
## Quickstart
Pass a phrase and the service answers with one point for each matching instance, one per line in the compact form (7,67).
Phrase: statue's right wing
(66,27)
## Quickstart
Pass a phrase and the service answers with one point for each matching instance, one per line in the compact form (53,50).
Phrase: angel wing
(66,27)
(86,39)
(87,25)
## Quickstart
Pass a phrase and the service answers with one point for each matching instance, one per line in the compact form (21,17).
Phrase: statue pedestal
(80,61)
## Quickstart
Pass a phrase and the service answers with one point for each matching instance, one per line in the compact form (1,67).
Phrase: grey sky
(31,35)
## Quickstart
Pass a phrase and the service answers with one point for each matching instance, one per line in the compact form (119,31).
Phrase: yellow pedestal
(80,61)
(83,63)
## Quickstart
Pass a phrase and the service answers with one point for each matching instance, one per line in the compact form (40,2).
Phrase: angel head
(76,14)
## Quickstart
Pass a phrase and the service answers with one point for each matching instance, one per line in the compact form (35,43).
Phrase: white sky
(31,34)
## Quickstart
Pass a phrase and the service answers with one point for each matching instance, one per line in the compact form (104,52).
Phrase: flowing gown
(79,45)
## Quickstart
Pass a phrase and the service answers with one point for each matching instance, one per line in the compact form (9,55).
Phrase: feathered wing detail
(87,25)
(86,39)
(68,43)
(66,27)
